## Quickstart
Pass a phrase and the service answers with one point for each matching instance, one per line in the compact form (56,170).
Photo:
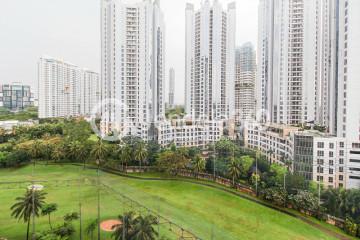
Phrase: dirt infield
(107,225)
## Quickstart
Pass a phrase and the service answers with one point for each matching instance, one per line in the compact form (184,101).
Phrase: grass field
(208,212)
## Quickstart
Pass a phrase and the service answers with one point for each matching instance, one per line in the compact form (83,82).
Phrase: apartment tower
(66,90)
(132,66)
(210,61)
(296,59)
(171,87)
(245,65)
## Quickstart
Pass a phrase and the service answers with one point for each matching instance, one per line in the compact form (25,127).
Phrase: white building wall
(294,60)
(209,60)
(132,66)
(329,161)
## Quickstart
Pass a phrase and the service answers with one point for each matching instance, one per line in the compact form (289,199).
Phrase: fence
(228,183)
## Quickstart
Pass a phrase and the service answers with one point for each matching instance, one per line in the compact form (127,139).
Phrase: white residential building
(329,160)
(209,60)
(348,109)
(273,140)
(314,155)
(89,92)
(296,55)
(132,66)
(189,133)
(245,65)
(61,89)
(171,87)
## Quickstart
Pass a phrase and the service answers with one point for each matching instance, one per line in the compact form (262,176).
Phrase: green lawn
(208,212)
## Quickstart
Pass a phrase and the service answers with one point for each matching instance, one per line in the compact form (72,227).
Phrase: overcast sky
(70,30)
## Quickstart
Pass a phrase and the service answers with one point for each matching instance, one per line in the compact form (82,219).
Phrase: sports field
(207,212)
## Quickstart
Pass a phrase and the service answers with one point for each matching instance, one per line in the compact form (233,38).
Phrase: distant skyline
(70,30)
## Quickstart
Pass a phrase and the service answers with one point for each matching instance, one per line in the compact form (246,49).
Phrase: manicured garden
(208,212)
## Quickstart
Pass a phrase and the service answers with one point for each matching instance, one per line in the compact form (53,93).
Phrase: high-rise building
(209,60)
(348,88)
(15,96)
(171,87)
(89,91)
(245,65)
(349,59)
(296,59)
(132,66)
(65,89)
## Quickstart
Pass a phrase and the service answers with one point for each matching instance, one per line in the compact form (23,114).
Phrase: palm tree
(90,229)
(143,229)
(234,169)
(74,150)
(126,155)
(82,153)
(26,206)
(99,151)
(125,229)
(198,164)
(47,209)
(141,152)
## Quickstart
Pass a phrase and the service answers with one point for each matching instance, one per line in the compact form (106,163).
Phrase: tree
(83,153)
(276,195)
(352,205)
(77,130)
(140,152)
(47,209)
(245,164)
(172,162)
(73,150)
(27,205)
(69,217)
(47,149)
(2,135)
(334,201)
(198,164)
(144,229)
(277,173)
(304,200)
(36,149)
(234,169)
(58,153)
(99,151)
(90,229)
(153,149)
(135,228)
(225,147)
(126,228)
(3,158)
(126,153)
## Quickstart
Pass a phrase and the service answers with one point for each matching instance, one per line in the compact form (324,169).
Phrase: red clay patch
(107,225)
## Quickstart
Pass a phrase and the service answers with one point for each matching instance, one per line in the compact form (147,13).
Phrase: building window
(341,152)
(330,180)
(320,145)
(320,153)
